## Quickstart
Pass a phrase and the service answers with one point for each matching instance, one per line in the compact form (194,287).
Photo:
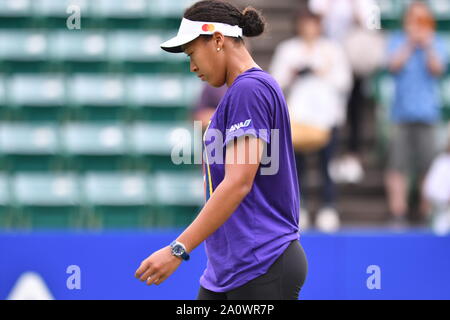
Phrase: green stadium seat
(28,139)
(392,10)
(4,190)
(145,46)
(129,9)
(77,46)
(48,200)
(446,38)
(94,146)
(163,90)
(23,45)
(16,8)
(98,139)
(51,8)
(98,97)
(440,8)
(192,87)
(118,200)
(384,92)
(29,147)
(445,94)
(2,91)
(32,90)
(169,8)
(165,137)
(445,90)
(96,90)
(156,90)
(386,89)
(179,197)
(146,56)
(6,217)
(179,189)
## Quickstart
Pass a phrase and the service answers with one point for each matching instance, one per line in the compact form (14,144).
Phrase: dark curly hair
(250,20)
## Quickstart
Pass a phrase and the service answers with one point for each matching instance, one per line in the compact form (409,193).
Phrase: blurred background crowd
(89,117)
(356,69)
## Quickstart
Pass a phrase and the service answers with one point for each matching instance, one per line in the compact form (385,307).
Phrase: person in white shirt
(309,67)
(355,24)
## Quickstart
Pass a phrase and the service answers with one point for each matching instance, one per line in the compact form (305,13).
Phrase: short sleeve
(248,111)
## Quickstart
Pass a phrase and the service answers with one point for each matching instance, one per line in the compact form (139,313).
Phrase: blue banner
(346,265)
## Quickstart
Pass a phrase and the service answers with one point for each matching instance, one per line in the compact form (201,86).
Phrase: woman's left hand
(158,266)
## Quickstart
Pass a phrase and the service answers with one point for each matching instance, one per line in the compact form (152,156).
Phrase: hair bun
(252,22)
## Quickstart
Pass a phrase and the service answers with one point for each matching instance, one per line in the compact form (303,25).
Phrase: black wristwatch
(179,250)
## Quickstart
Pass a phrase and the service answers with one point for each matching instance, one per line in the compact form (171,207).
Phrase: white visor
(190,30)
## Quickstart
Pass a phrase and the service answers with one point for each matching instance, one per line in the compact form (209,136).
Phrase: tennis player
(250,222)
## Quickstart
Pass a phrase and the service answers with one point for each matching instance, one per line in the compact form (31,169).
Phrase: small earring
(218,49)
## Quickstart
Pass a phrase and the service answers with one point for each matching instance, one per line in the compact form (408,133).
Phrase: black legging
(282,281)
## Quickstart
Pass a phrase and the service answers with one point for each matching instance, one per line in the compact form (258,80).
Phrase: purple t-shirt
(266,221)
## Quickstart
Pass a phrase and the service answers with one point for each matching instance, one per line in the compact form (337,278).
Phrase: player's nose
(193,67)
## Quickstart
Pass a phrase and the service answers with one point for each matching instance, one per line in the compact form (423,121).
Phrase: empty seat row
(86,45)
(159,8)
(97,8)
(95,138)
(94,45)
(157,90)
(102,188)
(101,146)
(99,199)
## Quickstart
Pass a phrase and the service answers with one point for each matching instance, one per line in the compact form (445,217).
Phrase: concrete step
(357,210)
(372,184)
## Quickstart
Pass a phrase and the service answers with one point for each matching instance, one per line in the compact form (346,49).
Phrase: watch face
(178,250)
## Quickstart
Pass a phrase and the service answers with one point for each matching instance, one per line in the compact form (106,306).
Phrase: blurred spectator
(317,75)
(353,23)
(417,58)
(437,191)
